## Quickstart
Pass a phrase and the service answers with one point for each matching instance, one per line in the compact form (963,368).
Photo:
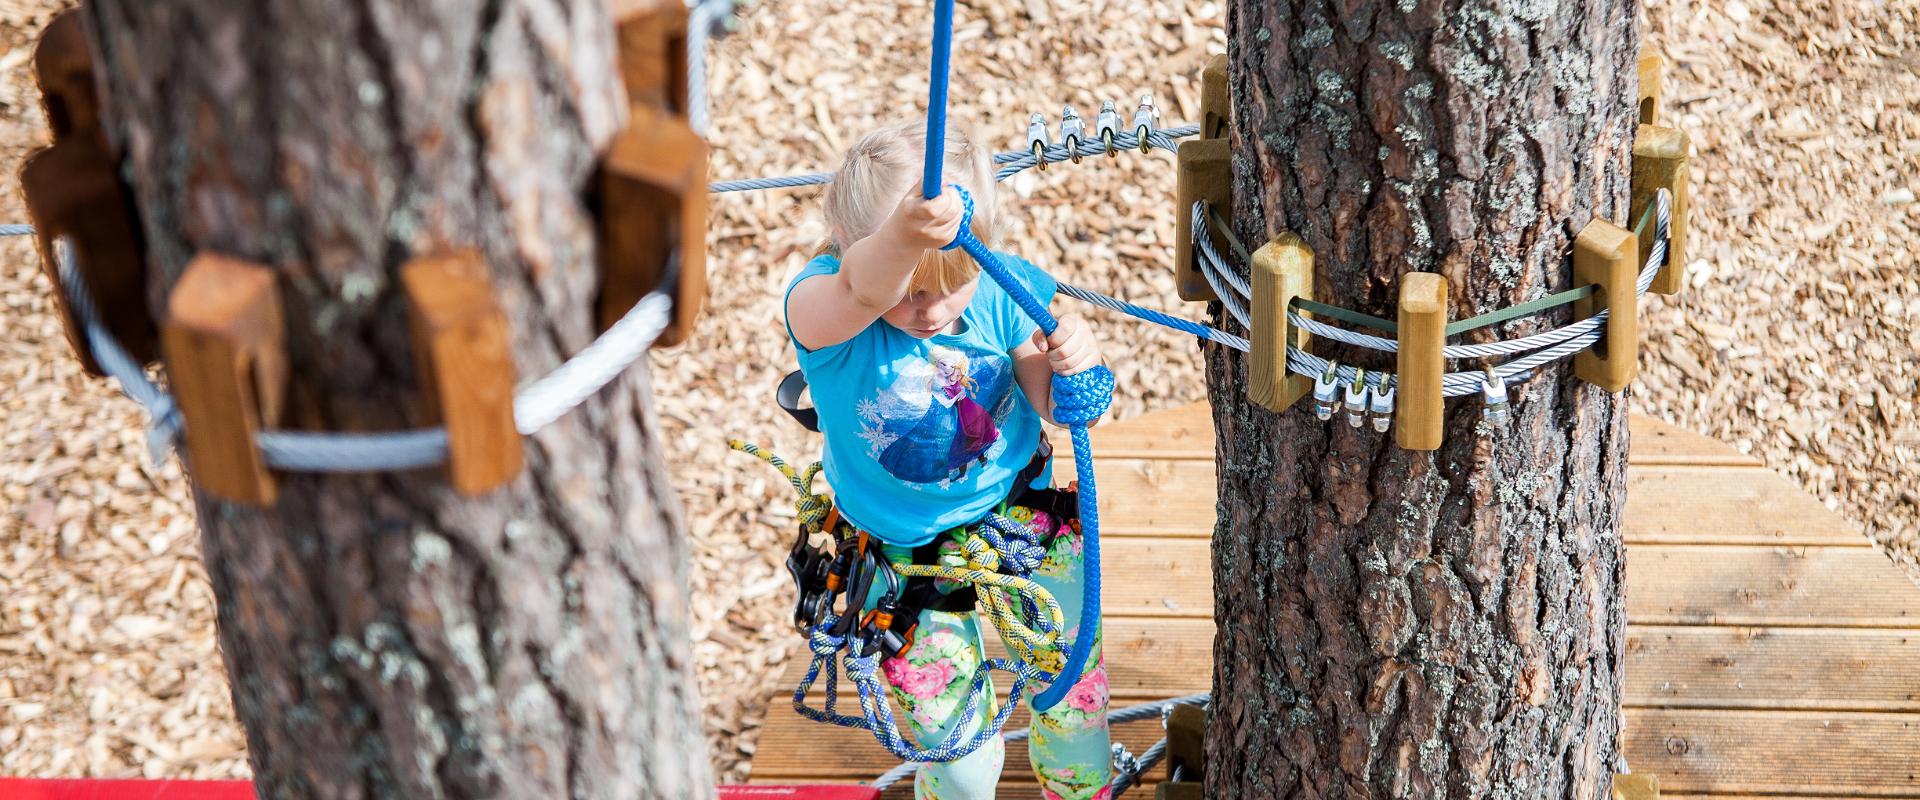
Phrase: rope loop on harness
(1017,545)
(811,507)
(1023,612)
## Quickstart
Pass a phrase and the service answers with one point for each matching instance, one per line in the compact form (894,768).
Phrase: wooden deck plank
(1665,504)
(1771,649)
(1768,586)
(1777,752)
(1691,750)
(1187,433)
(1832,669)
(1012,787)
(1656,441)
(812,751)
(1728,505)
(1666,584)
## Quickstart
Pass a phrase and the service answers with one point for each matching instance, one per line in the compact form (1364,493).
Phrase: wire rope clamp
(461,349)
(1421,362)
(1109,126)
(1215,100)
(1660,162)
(1380,404)
(653,204)
(1326,391)
(1357,397)
(1493,391)
(1144,116)
(1603,256)
(1282,273)
(1072,130)
(1038,140)
(225,344)
(652,41)
(73,191)
(1203,171)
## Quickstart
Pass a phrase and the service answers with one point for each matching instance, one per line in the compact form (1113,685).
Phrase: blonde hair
(880,168)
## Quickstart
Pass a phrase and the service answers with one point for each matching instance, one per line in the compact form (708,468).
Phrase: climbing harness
(835,578)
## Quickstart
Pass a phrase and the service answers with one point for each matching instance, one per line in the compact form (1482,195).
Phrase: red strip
(80,789)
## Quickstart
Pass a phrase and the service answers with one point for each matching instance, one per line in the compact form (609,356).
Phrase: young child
(931,384)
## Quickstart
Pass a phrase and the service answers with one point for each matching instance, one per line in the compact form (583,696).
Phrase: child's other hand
(922,224)
(1071,349)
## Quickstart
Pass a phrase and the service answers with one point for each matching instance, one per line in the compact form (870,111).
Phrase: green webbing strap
(1353,317)
(1515,312)
(1469,324)
(1225,231)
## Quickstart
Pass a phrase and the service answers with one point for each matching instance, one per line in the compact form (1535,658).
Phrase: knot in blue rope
(823,643)
(1019,548)
(1082,397)
(966,218)
(863,669)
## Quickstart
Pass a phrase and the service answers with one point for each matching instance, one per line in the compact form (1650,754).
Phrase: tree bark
(385,637)
(1424,624)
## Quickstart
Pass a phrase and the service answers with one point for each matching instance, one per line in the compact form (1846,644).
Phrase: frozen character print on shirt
(941,416)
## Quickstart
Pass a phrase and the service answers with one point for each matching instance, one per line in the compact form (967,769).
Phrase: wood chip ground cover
(1795,341)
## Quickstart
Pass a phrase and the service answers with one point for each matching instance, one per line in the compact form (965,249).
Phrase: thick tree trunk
(1410,624)
(385,637)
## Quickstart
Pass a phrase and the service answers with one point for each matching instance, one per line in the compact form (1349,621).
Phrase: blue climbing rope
(937,99)
(1078,399)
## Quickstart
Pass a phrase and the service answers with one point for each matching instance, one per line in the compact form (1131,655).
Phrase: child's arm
(1071,349)
(825,310)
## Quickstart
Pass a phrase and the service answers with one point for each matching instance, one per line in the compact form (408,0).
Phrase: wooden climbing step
(1771,650)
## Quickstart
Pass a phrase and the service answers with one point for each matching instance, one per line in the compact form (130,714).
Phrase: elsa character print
(955,433)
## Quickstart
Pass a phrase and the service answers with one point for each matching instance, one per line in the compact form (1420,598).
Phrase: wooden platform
(1771,650)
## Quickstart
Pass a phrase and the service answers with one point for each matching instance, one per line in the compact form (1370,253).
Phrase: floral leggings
(1069,743)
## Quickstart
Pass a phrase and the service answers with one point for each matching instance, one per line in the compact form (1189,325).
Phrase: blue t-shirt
(924,435)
